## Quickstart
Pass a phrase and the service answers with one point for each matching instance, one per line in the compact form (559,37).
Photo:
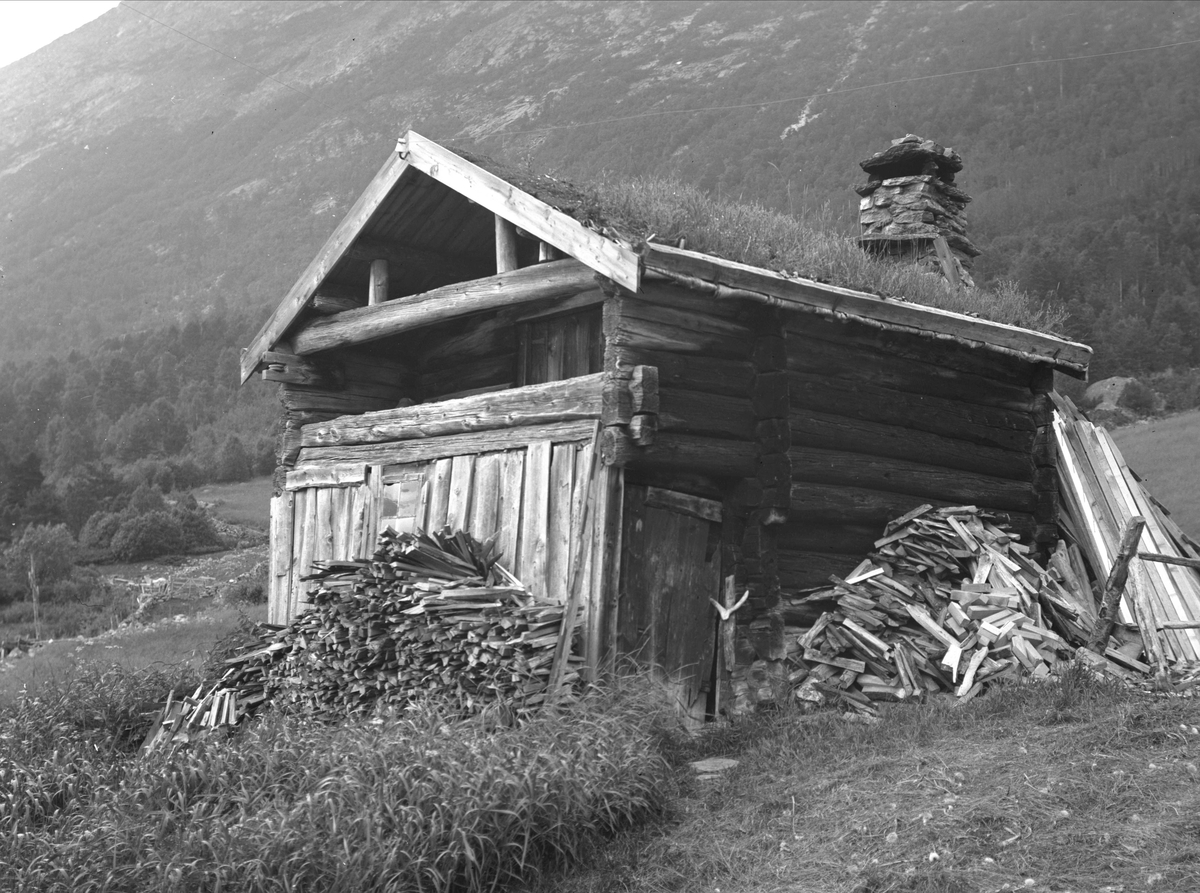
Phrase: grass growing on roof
(809,247)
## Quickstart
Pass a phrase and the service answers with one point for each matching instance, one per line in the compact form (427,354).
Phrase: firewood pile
(948,600)
(910,198)
(430,615)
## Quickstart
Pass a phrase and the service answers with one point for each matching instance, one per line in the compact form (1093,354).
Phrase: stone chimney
(911,209)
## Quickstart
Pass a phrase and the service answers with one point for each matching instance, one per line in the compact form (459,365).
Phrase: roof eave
(843,303)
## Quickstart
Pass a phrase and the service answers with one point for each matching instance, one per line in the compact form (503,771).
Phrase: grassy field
(183,640)
(1063,786)
(1166,455)
(248,503)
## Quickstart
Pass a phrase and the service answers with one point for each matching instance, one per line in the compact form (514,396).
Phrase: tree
(233,462)
(45,554)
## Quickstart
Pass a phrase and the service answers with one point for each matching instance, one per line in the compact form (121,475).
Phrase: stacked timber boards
(1100,495)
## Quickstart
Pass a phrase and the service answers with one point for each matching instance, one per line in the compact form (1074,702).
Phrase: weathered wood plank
(559,401)
(697,412)
(399,452)
(561,521)
(673,334)
(711,375)
(532,215)
(535,518)
(485,496)
(863,356)
(812,428)
(670,451)
(807,295)
(684,504)
(439,493)
(607,549)
(305,526)
(560,278)
(388,177)
(341,474)
(458,506)
(984,425)
(512,486)
(802,570)
(283,509)
(916,479)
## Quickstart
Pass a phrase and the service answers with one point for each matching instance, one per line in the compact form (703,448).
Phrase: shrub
(100,529)
(196,528)
(1138,398)
(148,536)
(146,498)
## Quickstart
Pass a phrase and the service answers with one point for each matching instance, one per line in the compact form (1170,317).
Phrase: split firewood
(430,615)
(948,601)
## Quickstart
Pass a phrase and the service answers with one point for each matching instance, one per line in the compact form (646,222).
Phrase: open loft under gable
(430,220)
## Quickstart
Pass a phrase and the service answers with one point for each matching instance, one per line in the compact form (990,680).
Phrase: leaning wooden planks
(430,615)
(947,601)
(1100,494)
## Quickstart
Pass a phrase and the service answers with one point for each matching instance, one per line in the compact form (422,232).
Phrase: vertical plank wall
(531,497)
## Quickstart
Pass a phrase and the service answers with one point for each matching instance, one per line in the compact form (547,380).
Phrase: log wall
(686,359)
(880,424)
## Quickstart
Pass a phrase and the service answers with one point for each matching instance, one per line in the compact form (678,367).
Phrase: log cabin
(648,430)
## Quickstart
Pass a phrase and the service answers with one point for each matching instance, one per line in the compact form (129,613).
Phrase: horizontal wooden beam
(400,452)
(1170,559)
(557,279)
(346,474)
(812,428)
(742,280)
(917,479)
(559,401)
(537,218)
(321,265)
(674,451)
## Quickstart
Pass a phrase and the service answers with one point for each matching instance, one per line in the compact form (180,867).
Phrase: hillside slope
(176,156)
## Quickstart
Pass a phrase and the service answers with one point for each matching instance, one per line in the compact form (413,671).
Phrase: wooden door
(670,568)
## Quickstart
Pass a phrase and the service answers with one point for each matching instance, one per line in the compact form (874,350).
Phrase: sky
(28,25)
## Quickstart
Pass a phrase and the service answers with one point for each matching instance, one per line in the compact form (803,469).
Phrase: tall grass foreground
(423,800)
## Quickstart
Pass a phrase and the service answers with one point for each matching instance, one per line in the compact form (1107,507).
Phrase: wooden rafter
(537,218)
(327,258)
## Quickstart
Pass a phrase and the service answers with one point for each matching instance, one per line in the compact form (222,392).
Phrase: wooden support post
(506,246)
(584,533)
(547,252)
(378,288)
(946,259)
(1111,602)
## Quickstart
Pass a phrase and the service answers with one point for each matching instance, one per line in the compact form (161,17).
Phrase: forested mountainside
(169,169)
